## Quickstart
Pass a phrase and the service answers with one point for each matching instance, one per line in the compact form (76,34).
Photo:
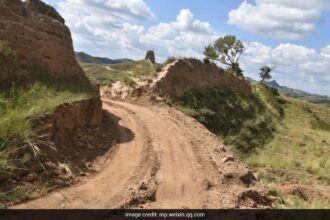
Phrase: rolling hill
(298,94)
(86,58)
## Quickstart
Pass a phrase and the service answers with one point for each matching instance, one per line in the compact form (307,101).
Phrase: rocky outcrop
(150,56)
(37,33)
(192,74)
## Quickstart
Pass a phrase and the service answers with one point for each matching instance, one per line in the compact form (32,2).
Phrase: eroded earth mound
(37,33)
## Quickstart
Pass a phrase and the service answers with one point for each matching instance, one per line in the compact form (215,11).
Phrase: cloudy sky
(294,35)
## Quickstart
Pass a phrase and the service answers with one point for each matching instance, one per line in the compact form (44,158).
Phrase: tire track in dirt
(162,159)
(180,178)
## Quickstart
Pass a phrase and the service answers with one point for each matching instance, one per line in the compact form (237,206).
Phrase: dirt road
(163,159)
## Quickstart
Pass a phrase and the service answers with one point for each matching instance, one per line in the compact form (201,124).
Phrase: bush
(159,67)
(129,82)
(206,61)
(170,60)
(274,91)
(6,51)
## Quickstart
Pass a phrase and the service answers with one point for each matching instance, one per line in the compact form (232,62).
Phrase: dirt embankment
(69,117)
(67,143)
(163,159)
(37,33)
(192,74)
(178,77)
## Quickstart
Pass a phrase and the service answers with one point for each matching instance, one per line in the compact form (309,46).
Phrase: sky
(293,35)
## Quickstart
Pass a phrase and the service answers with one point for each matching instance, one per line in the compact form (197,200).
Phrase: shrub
(129,82)
(274,91)
(170,60)
(159,67)
(206,61)
(6,51)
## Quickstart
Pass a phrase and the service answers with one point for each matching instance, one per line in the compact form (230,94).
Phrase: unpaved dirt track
(163,159)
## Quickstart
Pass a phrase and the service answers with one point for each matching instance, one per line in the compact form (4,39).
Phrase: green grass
(301,146)
(21,104)
(244,122)
(298,143)
(266,130)
(24,192)
(33,94)
(269,131)
(126,72)
(26,95)
(171,60)
(7,52)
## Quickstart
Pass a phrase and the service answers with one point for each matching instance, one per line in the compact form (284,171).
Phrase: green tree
(228,50)
(265,72)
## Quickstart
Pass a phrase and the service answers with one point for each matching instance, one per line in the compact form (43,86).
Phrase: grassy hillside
(32,93)
(125,72)
(85,58)
(298,94)
(317,99)
(298,153)
(285,141)
(246,122)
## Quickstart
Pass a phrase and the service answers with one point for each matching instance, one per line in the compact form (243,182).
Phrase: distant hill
(86,58)
(274,84)
(296,93)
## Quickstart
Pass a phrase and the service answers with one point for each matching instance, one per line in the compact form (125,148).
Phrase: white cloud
(113,30)
(326,51)
(296,66)
(317,4)
(108,8)
(283,19)
(186,36)
(111,26)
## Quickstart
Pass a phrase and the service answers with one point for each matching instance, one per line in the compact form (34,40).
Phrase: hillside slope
(296,93)
(294,164)
(127,72)
(85,58)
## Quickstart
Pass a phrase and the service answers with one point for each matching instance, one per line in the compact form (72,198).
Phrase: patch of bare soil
(162,159)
